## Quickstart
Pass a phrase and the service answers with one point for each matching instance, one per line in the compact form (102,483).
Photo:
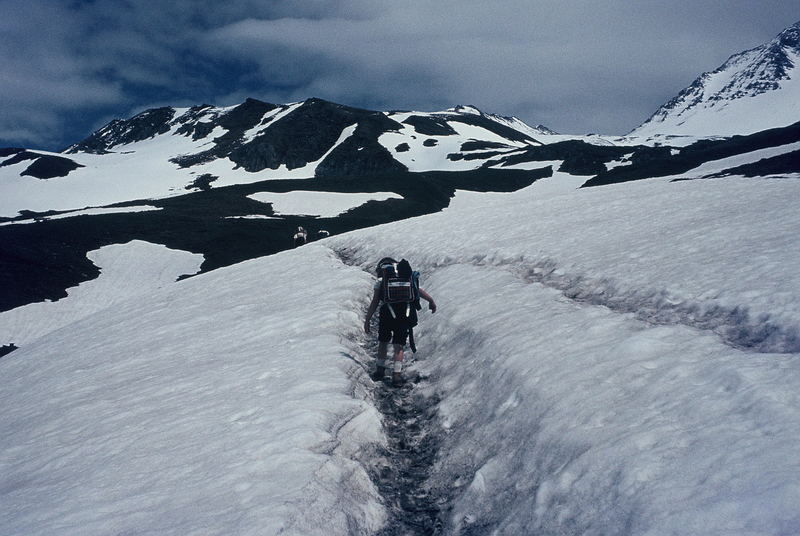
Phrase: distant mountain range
(754,90)
(214,180)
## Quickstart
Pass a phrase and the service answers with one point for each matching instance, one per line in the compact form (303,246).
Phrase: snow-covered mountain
(754,90)
(166,151)
(234,183)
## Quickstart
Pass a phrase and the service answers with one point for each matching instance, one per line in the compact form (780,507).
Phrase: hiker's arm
(427,297)
(376,298)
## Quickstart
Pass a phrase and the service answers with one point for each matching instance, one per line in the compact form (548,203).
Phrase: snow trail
(401,468)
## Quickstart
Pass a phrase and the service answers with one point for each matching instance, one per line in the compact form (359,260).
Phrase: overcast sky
(574,66)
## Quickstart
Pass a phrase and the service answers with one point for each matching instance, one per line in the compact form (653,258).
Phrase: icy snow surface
(221,404)
(612,360)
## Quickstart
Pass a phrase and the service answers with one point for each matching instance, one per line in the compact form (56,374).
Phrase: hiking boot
(378,374)
(397,379)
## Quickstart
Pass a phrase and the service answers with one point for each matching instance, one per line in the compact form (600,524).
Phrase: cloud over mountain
(68,68)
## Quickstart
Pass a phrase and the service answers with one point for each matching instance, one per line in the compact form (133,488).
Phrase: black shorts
(391,329)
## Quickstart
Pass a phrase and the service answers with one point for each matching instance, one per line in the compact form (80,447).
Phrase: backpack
(400,294)
(401,286)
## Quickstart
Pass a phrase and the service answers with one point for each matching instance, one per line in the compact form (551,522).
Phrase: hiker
(397,294)
(300,237)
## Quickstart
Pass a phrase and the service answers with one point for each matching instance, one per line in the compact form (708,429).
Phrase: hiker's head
(386,263)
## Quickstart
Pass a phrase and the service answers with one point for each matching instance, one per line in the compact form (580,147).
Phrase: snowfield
(611,360)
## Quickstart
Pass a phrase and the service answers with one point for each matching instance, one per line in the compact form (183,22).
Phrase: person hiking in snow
(397,294)
(300,237)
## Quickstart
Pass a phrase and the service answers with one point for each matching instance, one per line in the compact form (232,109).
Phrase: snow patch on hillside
(126,271)
(321,204)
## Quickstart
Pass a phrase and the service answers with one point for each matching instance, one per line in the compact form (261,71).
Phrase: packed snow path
(560,414)
(401,467)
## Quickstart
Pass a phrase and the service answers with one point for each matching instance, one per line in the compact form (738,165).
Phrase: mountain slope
(754,90)
(207,180)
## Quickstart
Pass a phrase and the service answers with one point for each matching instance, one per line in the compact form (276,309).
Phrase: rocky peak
(121,132)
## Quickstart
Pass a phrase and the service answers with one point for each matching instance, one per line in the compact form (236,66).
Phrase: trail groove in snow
(400,469)
(734,325)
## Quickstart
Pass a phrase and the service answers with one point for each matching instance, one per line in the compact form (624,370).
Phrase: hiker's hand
(432,307)
(366,326)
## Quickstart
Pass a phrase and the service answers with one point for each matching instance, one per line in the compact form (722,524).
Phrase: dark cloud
(575,66)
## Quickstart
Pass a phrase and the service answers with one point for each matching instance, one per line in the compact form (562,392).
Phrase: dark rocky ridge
(120,132)
(236,122)
(660,162)
(579,157)
(44,166)
(492,126)
(776,165)
(19,156)
(50,167)
(8,151)
(430,126)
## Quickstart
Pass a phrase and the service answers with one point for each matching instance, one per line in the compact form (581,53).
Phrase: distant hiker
(397,293)
(300,237)
(322,233)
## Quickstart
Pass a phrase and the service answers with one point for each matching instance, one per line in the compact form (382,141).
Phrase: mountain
(234,183)
(754,90)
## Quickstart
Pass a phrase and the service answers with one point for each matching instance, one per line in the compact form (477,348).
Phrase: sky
(574,66)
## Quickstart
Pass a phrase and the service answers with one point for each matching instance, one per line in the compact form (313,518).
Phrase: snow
(611,360)
(206,407)
(420,157)
(139,170)
(127,270)
(321,204)
(604,360)
(623,161)
(534,164)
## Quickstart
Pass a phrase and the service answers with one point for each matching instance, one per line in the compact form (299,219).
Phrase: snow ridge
(722,102)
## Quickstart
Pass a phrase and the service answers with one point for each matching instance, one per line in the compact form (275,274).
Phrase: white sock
(398,366)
